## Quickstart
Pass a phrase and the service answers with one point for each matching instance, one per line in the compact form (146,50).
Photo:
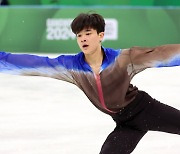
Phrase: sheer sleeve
(33,65)
(162,56)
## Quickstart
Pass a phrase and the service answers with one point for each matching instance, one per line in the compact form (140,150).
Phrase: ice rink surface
(46,116)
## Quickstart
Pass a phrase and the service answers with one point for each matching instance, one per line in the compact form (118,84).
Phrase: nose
(83,39)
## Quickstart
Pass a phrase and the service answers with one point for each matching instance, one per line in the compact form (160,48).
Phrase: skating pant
(136,119)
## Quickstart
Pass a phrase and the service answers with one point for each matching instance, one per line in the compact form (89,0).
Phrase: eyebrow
(87,30)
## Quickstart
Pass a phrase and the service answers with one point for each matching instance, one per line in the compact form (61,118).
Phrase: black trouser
(133,122)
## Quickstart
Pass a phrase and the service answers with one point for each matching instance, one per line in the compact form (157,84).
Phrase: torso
(114,84)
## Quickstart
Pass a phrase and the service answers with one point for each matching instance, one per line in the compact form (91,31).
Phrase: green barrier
(48,29)
(24,2)
(167,2)
(98,2)
(87,2)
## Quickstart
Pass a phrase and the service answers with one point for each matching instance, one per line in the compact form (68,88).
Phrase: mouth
(85,46)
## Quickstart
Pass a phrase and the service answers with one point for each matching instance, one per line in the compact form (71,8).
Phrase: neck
(95,60)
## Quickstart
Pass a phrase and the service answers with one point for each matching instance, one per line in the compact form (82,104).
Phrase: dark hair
(87,20)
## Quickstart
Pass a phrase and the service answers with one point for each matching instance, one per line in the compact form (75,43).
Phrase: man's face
(89,40)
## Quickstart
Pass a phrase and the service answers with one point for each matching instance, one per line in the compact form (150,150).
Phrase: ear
(101,35)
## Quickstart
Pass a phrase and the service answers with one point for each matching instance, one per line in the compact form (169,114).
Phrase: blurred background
(44,25)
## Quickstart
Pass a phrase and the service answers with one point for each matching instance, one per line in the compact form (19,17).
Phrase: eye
(78,35)
(88,33)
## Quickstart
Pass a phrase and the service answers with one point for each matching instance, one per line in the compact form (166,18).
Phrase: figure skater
(105,75)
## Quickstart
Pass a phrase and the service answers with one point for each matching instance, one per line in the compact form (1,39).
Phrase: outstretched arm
(32,65)
(161,56)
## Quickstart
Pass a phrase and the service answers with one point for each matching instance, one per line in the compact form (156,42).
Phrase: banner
(48,29)
(97,2)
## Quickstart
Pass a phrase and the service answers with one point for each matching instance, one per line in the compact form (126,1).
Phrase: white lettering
(59,29)
(111,29)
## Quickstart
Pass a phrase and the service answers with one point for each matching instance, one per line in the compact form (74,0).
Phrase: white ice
(47,116)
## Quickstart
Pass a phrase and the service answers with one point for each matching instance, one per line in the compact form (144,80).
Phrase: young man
(104,75)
